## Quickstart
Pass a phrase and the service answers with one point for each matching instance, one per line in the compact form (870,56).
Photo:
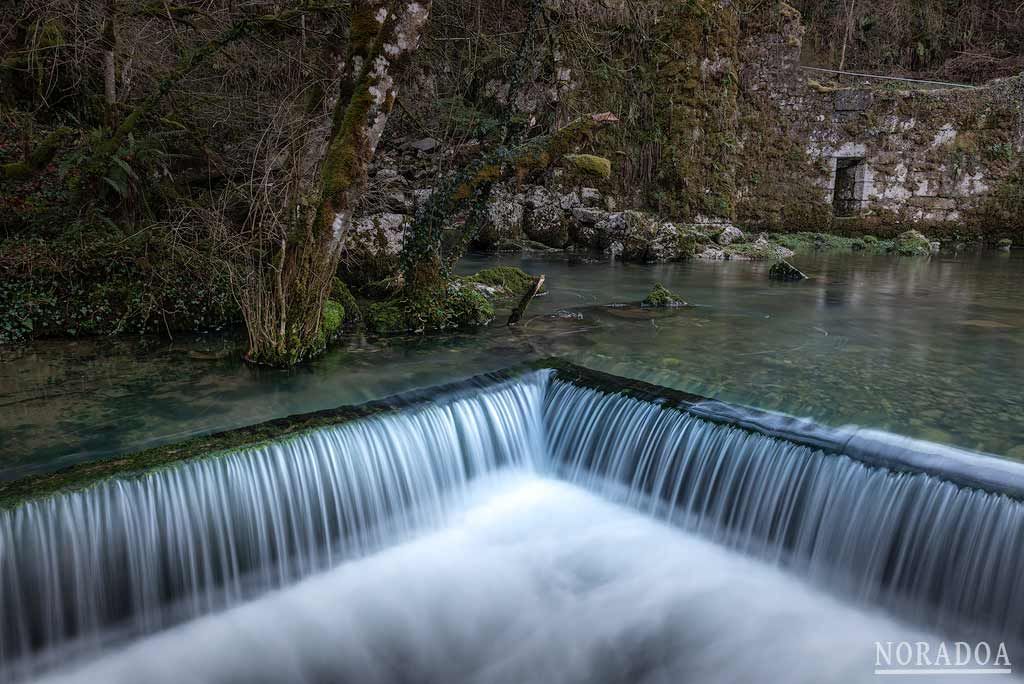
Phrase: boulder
(783,270)
(503,219)
(729,235)
(590,197)
(642,237)
(589,164)
(370,250)
(588,216)
(422,145)
(399,202)
(711,252)
(544,219)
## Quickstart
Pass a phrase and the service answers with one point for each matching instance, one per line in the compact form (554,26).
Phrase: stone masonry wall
(946,161)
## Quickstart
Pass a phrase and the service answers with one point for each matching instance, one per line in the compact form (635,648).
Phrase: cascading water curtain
(202,535)
(949,556)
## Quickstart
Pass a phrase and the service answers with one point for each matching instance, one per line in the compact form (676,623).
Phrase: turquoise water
(931,348)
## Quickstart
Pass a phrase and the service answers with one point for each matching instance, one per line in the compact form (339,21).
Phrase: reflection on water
(932,348)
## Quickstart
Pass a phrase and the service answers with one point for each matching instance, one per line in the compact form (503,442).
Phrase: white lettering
(904,653)
(963,653)
(1001,657)
(881,653)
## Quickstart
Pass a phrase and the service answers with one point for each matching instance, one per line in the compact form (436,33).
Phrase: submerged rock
(567,314)
(661,297)
(783,270)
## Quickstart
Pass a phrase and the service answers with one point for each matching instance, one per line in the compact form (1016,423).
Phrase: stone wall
(945,161)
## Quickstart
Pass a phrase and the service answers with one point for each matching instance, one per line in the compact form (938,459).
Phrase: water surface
(928,347)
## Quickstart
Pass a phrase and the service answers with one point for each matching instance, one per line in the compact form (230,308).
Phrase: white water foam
(534,581)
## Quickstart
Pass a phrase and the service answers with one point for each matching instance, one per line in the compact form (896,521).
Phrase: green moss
(590,164)
(911,243)
(803,243)
(341,294)
(692,241)
(334,316)
(461,306)
(660,296)
(514,280)
(783,270)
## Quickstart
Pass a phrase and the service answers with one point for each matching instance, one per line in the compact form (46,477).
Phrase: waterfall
(203,535)
(929,533)
(946,555)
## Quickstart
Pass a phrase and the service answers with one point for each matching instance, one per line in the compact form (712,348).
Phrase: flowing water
(926,347)
(516,579)
(183,541)
(534,581)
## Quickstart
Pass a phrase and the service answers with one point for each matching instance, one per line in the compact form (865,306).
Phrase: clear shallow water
(931,348)
(519,587)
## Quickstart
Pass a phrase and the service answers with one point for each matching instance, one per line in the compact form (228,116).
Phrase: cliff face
(720,121)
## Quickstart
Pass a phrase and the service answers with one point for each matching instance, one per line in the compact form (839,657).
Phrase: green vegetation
(511,281)
(591,164)
(804,243)
(911,243)
(461,306)
(661,297)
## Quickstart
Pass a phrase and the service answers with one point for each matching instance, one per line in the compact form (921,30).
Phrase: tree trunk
(304,270)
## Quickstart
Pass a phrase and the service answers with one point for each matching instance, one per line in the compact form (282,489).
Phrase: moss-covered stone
(590,164)
(805,242)
(508,277)
(343,296)
(460,306)
(912,243)
(334,316)
(783,270)
(661,297)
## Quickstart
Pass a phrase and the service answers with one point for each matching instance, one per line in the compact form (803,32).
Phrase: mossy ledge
(134,465)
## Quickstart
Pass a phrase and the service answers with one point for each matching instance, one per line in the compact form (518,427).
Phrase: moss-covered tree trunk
(290,326)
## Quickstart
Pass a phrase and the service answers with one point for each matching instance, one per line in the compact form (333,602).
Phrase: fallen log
(520,309)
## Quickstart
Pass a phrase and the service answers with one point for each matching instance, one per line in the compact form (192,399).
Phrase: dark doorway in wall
(846,199)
